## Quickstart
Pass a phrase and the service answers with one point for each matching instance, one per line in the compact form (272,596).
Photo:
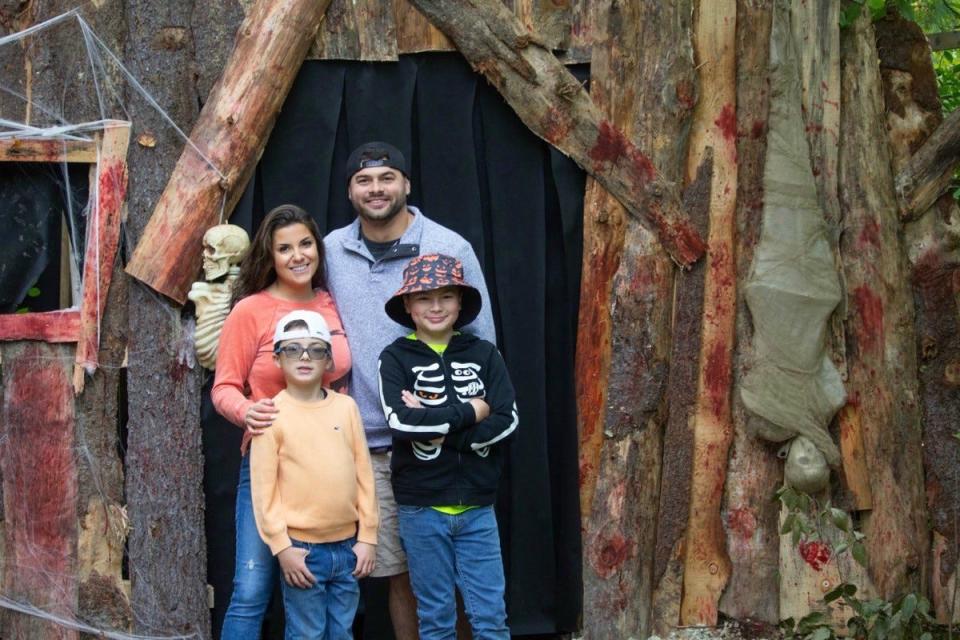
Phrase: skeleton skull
(223,246)
(806,468)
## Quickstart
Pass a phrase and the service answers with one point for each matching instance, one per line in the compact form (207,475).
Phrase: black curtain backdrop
(476,169)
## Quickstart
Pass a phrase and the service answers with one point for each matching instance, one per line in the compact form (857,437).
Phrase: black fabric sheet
(476,169)
(33,207)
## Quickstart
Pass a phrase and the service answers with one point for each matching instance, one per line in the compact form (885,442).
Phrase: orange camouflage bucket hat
(429,272)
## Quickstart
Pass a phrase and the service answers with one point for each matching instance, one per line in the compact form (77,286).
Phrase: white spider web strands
(98,59)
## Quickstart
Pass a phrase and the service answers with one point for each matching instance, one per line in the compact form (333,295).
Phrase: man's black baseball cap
(376,154)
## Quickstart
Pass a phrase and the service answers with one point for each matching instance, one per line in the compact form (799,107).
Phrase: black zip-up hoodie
(465,468)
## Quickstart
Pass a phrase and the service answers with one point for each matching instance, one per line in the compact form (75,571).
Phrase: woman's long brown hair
(256,270)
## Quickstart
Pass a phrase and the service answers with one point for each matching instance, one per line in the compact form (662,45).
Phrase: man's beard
(386,216)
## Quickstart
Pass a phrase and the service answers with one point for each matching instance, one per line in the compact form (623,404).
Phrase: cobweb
(99,68)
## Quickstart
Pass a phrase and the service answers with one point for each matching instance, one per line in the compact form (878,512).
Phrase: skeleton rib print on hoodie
(465,468)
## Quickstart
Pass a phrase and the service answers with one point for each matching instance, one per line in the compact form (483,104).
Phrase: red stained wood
(232,130)
(881,341)
(30,150)
(625,313)
(103,238)
(49,326)
(706,563)
(913,114)
(39,488)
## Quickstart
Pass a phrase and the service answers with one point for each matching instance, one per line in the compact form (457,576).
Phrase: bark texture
(626,287)
(750,517)
(550,101)
(928,173)
(231,131)
(881,342)
(932,241)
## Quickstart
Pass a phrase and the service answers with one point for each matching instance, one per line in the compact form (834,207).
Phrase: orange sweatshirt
(245,368)
(310,474)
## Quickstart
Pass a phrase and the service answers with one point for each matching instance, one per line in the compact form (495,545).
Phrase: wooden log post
(39,488)
(913,116)
(625,310)
(881,343)
(231,131)
(928,173)
(706,563)
(553,104)
(750,516)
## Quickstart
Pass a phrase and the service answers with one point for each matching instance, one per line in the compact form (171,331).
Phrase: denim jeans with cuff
(463,551)
(325,610)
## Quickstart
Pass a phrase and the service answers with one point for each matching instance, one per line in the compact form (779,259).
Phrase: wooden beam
(929,172)
(39,488)
(103,238)
(48,326)
(46,150)
(231,131)
(553,104)
(944,40)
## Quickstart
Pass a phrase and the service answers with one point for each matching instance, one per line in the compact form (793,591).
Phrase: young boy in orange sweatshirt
(312,487)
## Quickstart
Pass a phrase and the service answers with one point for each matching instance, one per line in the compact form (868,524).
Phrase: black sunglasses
(295,351)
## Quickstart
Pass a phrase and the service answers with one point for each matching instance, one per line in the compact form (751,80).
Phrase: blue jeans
(255,573)
(444,551)
(326,609)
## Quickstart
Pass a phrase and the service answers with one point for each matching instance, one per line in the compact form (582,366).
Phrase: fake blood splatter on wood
(39,482)
(815,553)
(742,521)
(611,146)
(727,122)
(870,311)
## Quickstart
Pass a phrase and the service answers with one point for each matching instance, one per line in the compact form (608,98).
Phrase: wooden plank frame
(107,153)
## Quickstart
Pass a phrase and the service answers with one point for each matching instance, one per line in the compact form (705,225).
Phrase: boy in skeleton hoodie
(449,403)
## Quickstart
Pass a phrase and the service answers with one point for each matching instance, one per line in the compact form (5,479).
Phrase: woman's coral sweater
(246,371)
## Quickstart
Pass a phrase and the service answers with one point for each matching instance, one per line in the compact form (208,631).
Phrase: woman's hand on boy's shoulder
(366,559)
(293,564)
(259,416)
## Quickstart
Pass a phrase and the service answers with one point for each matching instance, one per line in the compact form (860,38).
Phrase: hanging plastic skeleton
(223,248)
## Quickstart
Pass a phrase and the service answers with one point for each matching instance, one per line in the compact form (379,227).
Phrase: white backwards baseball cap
(316,327)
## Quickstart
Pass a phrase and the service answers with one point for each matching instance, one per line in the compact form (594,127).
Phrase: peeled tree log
(553,104)
(231,131)
(913,114)
(626,306)
(882,386)
(750,516)
(929,172)
(706,563)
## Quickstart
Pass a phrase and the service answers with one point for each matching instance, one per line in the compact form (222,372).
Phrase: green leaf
(33,292)
(787,525)
(908,605)
(797,533)
(878,8)
(849,14)
(833,594)
(840,548)
(926,636)
(859,552)
(23,310)
(840,519)
(821,633)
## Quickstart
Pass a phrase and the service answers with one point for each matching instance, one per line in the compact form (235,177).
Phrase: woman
(283,271)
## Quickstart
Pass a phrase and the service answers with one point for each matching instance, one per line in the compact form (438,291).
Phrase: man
(365,262)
